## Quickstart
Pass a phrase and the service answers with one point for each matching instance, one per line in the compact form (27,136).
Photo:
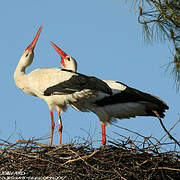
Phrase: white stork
(125,102)
(58,87)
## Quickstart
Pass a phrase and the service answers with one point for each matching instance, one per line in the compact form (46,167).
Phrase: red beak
(33,44)
(60,52)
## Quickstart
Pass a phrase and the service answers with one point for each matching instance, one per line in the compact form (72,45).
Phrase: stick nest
(30,159)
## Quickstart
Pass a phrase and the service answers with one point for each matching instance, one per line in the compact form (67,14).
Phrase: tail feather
(153,103)
(130,95)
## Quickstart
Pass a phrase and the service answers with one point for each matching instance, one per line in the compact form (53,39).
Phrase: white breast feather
(41,79)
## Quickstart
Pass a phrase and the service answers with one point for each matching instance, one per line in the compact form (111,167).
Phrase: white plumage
(124,102)
(58,87)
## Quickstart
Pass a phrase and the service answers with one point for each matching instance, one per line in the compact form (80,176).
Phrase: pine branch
(161,21)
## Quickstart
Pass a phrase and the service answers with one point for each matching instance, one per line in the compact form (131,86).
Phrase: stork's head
(66,61)
(28,54)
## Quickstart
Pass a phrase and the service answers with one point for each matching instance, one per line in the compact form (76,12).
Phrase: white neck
(72,68)
(20,70)
(19,73)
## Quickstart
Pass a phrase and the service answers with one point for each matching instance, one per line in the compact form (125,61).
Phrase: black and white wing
(78,83)
(123,94)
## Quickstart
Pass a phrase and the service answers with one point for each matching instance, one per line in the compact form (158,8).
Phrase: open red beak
(60,52)
(33,44)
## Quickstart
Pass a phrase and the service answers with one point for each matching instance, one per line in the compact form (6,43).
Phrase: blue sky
(106,40)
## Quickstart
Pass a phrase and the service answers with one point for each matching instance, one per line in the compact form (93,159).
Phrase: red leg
(60,127)
(103,129)
(52,126)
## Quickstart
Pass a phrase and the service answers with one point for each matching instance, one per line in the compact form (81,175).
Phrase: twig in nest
(35,143)
(167,168)
(36,157)
(82,158)
(119,175)
(129,130)
(170,136)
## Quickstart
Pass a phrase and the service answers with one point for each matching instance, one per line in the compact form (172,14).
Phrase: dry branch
(170,136)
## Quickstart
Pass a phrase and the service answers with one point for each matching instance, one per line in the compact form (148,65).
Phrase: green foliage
(161,21)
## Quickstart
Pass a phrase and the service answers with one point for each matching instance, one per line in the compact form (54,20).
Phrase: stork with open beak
(124,102)
(57,87)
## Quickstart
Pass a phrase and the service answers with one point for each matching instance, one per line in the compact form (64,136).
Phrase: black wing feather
(133,95)
(76,83)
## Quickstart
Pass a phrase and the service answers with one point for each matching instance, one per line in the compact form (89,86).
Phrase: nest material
(29,159)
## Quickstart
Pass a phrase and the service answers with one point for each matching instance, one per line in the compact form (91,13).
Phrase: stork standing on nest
(58,87)
(125,102)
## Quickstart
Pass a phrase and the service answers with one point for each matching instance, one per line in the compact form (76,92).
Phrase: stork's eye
(68,58)
(27,54)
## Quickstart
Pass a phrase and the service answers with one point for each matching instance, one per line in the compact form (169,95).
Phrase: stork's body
(124,102)
(58,87)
